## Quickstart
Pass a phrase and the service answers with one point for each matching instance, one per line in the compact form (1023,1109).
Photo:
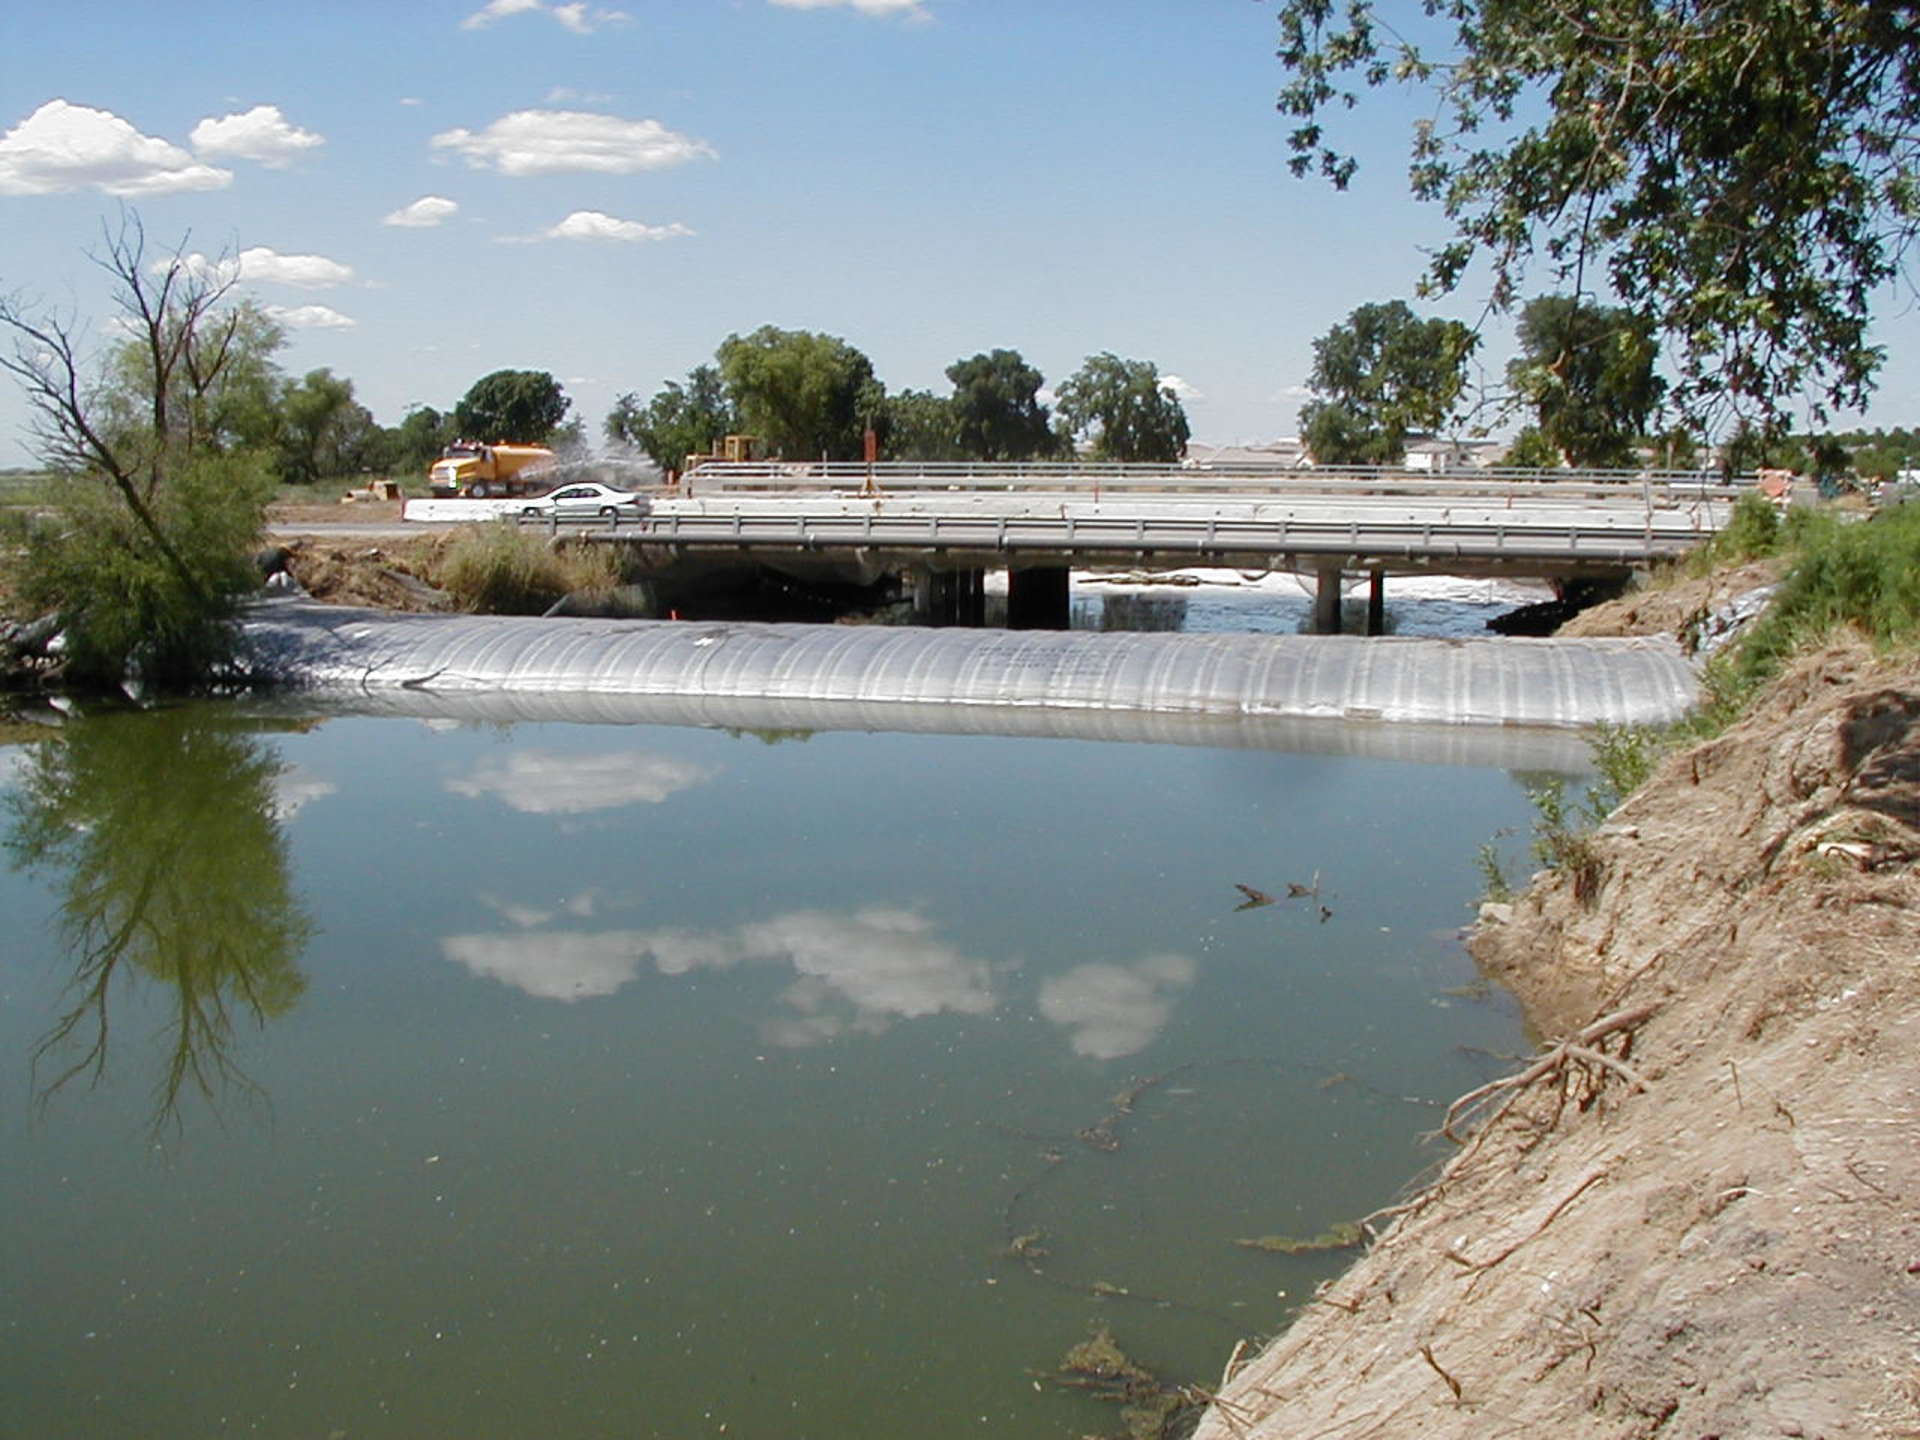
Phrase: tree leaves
(1378,376)
(1741,173)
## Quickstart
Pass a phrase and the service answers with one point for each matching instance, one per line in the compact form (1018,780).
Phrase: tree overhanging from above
(1741,175)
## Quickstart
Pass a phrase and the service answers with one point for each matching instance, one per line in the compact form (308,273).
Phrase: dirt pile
(1700,1215)
(385,574)
(1674,603)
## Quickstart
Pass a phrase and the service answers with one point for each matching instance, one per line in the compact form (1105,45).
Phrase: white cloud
(411,100)
(424,213)
(905,9)
(261,134)
(311,317)
(576,17)
(1183,390)
(539,782)
(592,225)
(71,147)
(581,21)
(266,267)
(567,95)
(499,10)
(1115,1010)
(552,142)
(304,272)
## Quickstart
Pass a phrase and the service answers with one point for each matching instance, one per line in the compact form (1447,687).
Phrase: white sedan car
(587,500)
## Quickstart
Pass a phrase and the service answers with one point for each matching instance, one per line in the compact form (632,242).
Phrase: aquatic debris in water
(1150,1409)
(1345,1235)
(1028,1247)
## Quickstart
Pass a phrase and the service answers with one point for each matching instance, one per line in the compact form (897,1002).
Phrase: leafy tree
(1743,174)
(679,421)
(416,442)
(146,555)
(1381,374)
(512,406)
(996,410)
(1532,450)
(1126,410)
(1676,448)
(921,426)
(803,394)
(324,431)
(223,383)
(1587,371)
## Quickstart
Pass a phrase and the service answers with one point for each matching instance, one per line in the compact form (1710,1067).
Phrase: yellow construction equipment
(487,471)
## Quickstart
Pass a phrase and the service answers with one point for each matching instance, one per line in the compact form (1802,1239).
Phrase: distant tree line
(1584,380)
(807,396)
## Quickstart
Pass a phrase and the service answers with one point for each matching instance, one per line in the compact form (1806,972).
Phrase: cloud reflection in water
(857,971)
(1115,1010)
(542,782)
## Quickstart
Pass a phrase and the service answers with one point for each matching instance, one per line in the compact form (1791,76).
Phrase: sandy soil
(1674,603)
(1699,1215)
(395,574)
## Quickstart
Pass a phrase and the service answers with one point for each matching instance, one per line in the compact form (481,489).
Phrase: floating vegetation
(1030,1246)
(1103,1134)
(1346,1235)
(1150,1408)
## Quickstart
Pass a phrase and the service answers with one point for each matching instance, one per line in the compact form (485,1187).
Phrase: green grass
(22,488)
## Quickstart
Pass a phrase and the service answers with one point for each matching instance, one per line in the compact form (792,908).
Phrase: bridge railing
(1653,488)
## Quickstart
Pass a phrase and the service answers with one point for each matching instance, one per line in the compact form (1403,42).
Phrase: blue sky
(606,191)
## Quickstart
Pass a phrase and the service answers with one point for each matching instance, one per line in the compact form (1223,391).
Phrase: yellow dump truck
(489,471)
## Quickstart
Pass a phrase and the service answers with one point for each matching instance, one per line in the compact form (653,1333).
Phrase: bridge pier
(1326,602)
(950,597)
(1037,599)
(1377,602)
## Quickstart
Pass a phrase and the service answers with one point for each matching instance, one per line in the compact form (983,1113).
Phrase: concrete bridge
(948,524)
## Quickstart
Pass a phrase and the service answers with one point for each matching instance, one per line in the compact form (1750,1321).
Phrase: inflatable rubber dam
(1281,691)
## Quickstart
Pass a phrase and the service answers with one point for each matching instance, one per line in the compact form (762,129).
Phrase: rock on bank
(1734,1249)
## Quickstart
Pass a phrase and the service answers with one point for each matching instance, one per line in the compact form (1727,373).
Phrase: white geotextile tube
(1491,681)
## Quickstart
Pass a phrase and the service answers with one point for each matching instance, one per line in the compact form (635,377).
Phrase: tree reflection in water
(161,835)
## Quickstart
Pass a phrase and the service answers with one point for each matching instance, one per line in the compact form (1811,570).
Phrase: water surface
(384,1078)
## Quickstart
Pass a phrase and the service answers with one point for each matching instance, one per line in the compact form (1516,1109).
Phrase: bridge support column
(1377,603)
(1326,603)
(950,597)
(1037,599)
(973,597)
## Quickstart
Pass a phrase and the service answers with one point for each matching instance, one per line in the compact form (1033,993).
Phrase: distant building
(1434,456)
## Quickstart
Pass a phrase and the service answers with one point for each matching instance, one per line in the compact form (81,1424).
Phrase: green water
(373,1078)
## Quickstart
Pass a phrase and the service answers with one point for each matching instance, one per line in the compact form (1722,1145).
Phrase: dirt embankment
(397,574)
(1700,1215)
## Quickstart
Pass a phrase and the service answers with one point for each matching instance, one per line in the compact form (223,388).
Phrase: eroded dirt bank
(1734,1249)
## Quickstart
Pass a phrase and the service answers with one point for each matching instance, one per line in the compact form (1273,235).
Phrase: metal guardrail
(1649,487)
(1427,540)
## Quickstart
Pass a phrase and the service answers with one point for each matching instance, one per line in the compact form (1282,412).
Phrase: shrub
(503,569)
(127,606)
(1865,575)
(1752,532)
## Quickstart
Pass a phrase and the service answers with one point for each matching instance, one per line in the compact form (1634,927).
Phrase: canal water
(385,1078)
